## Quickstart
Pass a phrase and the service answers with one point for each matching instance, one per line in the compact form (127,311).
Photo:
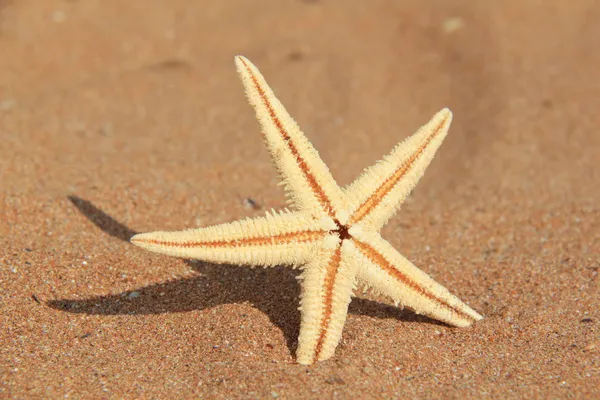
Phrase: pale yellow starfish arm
(377,194)
(328,282)
(305,176)
(389,273)
(286,238)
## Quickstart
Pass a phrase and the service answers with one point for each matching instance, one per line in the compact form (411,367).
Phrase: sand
(121,117)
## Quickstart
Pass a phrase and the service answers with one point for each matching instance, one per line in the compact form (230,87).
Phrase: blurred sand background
(125,116)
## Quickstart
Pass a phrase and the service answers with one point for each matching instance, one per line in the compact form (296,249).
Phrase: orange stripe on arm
(389,273)
(306,177)
(328,283)
(380,190)
(271,240)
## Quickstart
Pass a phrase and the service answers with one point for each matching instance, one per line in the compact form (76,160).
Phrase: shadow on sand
(274,291)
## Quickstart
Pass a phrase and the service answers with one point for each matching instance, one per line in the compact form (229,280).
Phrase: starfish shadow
(273,291)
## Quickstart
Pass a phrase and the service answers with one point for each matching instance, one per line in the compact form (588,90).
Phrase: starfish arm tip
(140,240)
(242,63)
(304,361)
(446,115)
(472,317)
(475,316)
(135,238)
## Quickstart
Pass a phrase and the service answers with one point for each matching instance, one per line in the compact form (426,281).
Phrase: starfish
(332,233)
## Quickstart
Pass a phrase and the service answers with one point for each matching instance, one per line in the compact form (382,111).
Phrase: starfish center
(342,230)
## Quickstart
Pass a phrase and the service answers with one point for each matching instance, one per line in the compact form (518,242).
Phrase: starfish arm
(287,238)
(328,281)
(306,177)
(376,195)
(389,273)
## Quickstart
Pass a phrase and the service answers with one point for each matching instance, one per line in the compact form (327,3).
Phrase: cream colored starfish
(333,232)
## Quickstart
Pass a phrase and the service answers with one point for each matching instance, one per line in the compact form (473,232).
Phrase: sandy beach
(124,117)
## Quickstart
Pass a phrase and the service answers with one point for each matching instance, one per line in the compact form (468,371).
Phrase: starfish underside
(332,232)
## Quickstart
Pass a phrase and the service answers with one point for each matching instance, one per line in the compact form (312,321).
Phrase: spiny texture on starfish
(333,232)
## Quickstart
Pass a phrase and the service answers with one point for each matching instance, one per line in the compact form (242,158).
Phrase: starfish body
(332,232)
